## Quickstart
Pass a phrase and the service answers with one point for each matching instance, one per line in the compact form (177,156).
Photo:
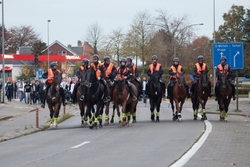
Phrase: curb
(5,118)
(237,114)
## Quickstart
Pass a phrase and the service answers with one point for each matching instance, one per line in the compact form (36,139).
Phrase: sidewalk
(18,119)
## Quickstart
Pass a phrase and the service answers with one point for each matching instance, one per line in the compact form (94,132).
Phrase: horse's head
(91,77)
(223,79)
(204,78)
(57,79)
(180,78)
(120,84)
(155,78)
(83,77)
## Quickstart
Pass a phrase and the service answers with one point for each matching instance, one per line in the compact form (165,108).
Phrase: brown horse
(54,99)
(121,96)
(109,84)
(179,96)
(225,95)
(201,94)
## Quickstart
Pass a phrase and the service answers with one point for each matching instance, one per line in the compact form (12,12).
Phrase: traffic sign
(232,51)
(40,71)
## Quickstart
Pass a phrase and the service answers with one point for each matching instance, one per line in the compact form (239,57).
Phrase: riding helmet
(176,59)
(223,58)
(154,57)
(85,60)
(106,58)
(53,64)
(129,59)
(200,57)
(95,56)
(123,60)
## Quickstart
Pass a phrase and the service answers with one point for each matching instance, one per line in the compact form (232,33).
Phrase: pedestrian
(41,90)
(27,91)
(9,89)
(21,90)
(14,89)
(144,83)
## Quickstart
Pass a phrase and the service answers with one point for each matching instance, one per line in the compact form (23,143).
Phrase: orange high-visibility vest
(198,67)
(108,70)
(97,70)
(225,70)
(51,75)
(157,68)
(176,70)
(134,70)
(121,73)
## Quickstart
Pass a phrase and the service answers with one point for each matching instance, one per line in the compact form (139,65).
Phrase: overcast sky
(71,18)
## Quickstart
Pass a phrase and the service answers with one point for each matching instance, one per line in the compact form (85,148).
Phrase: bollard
(64,110)
(37,123)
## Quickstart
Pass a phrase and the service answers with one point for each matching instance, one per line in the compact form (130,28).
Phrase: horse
(121,96)
(201,93)
(80,92)
(155,92)
(109,85)
(179,95)
(54,99)
(94,96)
(225,95)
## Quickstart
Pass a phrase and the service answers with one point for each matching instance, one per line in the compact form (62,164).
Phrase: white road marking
(188,155)
(79,145)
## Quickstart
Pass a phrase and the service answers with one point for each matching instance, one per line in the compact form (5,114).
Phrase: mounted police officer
(96,65)
(84,66)
(124,73)
(199,66)
(134,72)
(176,67)
(223,68)
(156,67)
(50,75)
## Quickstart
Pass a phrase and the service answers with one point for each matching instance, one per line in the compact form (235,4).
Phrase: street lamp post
(48,41)
(3,61)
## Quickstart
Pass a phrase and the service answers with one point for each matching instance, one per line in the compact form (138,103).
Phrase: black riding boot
(164,89)
(106,96)
(216,93)
(233,91)
(169,91)
(131,91)
(187,88)
(63,96)
(45,94)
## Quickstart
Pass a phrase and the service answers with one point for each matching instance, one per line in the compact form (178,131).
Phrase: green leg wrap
(96,119)
(131,118)
(119,118)
(152,113)
(107,117)
(55,120)
(195,112)
(157,113)
(123,115)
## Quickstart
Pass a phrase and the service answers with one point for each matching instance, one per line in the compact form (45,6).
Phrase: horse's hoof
(112,121)
(180,119)
(130,124)
(100,126)
(134,121)
(106,123)
(195,117)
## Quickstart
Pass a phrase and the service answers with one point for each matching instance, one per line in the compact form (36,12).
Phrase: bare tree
(95,36)
(21,36)
(138,36)
(113,45)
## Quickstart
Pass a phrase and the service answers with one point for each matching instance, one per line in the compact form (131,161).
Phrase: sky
(70,19)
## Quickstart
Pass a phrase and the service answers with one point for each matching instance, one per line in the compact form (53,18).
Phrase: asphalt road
(144,144)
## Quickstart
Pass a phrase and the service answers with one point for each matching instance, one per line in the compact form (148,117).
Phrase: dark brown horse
(121,96)
(201,93)
(94,96)
(54,99)
(179,96)
(107,104)
(155,92)
(80,92)
(225,95)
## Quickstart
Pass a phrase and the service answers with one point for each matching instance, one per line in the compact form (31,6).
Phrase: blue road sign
(232,51)
(40,71)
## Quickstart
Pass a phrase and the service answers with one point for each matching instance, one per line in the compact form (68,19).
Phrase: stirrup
(134,98)
(43,106)
(53,98)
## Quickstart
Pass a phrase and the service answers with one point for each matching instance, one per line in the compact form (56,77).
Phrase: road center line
(79,145)
(186,157)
